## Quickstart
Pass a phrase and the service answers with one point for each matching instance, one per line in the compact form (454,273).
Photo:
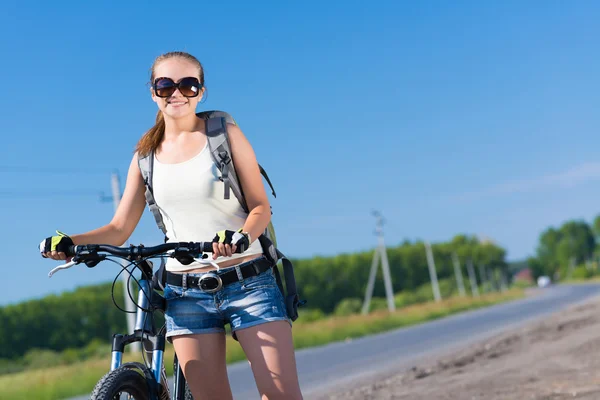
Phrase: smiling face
(177,70)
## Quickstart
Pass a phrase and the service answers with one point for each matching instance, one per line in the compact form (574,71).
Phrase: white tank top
(191,200)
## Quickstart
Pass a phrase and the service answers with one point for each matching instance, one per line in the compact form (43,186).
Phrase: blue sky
(463,117)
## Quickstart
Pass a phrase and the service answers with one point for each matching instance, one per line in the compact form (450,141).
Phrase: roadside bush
(310,314)
(10,366)
(348,306)
(41,358)
(582,272)
(378,303)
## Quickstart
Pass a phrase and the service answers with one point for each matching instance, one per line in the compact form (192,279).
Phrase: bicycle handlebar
(133,252)
(185,252)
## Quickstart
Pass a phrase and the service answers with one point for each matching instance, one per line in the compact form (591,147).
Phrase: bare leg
(202,359)
(270,351)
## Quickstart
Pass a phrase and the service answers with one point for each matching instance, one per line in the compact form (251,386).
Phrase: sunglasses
(188,87)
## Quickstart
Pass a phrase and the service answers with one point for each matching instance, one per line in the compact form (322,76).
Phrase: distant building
(524,275)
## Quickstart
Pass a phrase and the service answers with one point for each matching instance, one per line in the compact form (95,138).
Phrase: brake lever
(64,266)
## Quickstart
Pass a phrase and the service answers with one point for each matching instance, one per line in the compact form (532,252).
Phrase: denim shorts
(242,304)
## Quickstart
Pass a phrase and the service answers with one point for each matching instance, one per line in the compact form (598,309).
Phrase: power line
(51,193)
(41,193)
(54,170)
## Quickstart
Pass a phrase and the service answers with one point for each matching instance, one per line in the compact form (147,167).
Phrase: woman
(190,196)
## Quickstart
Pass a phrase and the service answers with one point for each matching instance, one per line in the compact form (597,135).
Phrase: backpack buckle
(291,305)
(224,156)
(292,302)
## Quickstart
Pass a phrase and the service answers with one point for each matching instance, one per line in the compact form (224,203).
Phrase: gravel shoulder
(554,358)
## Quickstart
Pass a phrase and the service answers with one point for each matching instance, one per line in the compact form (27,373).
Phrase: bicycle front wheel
(121,384)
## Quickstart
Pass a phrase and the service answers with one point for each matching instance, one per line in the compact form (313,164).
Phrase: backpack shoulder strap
(218,142)
(292,299)
(146,166)
(264,173)
(220,150)
(216,114)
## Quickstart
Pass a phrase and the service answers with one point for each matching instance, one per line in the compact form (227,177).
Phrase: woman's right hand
(56,247)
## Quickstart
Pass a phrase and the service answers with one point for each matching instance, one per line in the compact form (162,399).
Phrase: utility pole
(432,273)
(380,253)
(129,306)
(491,279)
(483,278)
(572,260)
(458,274)
(571,267)
(472,278)
(503,287)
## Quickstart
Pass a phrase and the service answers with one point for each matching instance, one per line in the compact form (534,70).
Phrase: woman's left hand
(225,243)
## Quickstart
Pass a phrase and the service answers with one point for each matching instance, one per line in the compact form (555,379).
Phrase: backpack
(220,150)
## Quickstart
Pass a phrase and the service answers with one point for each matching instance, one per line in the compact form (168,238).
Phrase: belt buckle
(208,277)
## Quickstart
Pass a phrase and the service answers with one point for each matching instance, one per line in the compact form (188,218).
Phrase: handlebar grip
(207,247)
(71,251)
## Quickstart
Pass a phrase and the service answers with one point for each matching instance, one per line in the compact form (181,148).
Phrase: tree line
(561,249)
(325,281)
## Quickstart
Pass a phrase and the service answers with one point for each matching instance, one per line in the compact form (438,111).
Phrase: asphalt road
(333,367)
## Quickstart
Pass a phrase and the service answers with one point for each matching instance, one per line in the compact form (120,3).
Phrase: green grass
(79,378)
(594,279)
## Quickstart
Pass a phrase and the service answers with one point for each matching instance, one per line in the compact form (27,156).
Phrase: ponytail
(151,139)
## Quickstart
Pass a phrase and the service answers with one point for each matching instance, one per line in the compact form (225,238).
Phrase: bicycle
(148,380)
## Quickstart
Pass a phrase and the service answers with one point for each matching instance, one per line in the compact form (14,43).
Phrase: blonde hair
(151,139)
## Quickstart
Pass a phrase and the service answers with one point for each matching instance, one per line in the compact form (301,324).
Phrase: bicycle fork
(143,332)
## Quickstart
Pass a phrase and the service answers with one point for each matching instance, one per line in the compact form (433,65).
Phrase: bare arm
(250,179)
(127,216)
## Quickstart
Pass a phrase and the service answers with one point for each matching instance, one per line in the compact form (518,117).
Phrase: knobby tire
(121,380)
